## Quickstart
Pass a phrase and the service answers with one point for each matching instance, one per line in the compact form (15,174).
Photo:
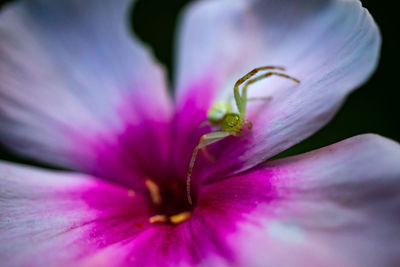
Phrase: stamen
(158,218)
(154,190)
(180,217)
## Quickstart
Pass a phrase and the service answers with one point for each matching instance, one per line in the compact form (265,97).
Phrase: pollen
(180,217)
(154,190)
(158,218)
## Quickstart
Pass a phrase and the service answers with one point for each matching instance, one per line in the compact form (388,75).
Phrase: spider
(229,123)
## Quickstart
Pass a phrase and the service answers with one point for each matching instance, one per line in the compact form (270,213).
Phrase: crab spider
(229,122)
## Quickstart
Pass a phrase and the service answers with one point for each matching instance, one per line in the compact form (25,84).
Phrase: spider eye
(231,122)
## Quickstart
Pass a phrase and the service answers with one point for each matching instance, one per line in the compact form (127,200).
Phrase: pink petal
(75,84)
(332,47)
(59,219)
(336,206)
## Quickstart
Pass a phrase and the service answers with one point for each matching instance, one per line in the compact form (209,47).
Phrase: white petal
(70,70)
(330,46)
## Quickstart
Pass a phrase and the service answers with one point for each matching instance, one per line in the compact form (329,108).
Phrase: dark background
(374,108)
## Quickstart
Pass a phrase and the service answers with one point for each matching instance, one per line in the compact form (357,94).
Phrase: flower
(79,92)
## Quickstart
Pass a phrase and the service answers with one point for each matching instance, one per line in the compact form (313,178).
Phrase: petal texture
(336,206)
(76,88)
(330,46)
(59,219)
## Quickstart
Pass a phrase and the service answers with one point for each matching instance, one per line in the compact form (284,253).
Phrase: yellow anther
(158,218)
(131,193)
(180,217)
(154,191)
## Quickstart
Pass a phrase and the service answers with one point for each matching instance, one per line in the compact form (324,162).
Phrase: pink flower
(79,92)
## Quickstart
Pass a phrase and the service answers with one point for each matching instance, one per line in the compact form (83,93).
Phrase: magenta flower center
(167,200)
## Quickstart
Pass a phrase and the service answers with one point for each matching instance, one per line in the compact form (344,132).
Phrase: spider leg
(205,140)
(250,74)
(205,123)
(255,71)
(249,124)
(243,102)
(207,155)
(267,98)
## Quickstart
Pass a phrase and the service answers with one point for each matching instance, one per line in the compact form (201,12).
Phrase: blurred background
(374,108)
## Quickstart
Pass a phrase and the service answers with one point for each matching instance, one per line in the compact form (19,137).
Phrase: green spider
(230,123)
